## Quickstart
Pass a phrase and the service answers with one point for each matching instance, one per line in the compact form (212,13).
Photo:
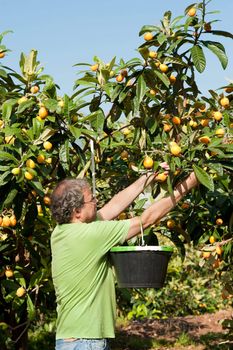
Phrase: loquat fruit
(176,120)
(28,175)
(6,221)
(220,132)
(47,200)
(219,221)
(40,159)
(47,145)
(153,54)
(171,223)
(217,116)
(204,139)
(30,163)
(16,171)
(192,12)
(34,89)
(94,67)
(43,112)
(20,292)
(163,67)
(9,273)
(148,162)
(161,177)
(212,239)
(148,36)
(224,102)
(175,149)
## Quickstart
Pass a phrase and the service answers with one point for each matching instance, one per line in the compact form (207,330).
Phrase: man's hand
(164,166)
(159,209)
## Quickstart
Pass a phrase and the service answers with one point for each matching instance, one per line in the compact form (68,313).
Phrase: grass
(211,341)
(133,342)
(184,340)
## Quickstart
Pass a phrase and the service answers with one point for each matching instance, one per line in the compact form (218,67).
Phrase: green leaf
(24,105)
(134,62)
(7,108)
(7,156)
(139,204)
(50,87)
(36,278)
(76,132)
(37,126)
(19,77)
(5,33)
(64,155)
(4,168)
(166,19)
(163,78)
(135,106)
(82,64)
(122,96)
(140,89)
(51,104)
(217,167)
(115,93)
(38,187)
(198,58)
(176,20)
(3,73)
(218,50)
(19,278)
(150,78)
(4,178)
(144,51)
(86,80)
(174,60)
(148,28)
(115,113)
(95,103)
(84,170)
(222,33)
(112,63)
(97,120)
(46,134)
(227,165)
(30,308)
(203,177)
(161,38)
(67,106)
(10,197)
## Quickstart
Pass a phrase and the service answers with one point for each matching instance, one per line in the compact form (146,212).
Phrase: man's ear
(76,214)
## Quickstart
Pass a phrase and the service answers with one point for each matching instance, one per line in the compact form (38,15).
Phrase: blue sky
(68,32)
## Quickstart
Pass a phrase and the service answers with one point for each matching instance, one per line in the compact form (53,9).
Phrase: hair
(66,197)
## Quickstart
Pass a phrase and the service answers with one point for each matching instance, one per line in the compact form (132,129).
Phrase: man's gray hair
(67,196)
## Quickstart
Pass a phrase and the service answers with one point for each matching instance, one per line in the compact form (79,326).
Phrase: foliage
(149,105)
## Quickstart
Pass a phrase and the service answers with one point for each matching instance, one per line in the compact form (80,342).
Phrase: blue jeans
(82,344)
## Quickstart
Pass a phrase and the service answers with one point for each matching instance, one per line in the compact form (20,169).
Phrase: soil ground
(202,332)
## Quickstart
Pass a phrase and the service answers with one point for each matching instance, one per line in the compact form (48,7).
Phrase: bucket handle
(142,233)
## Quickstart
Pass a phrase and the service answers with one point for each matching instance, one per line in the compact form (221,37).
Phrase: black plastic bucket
(140,266)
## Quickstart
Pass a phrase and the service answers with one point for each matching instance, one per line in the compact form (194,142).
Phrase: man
(82,275)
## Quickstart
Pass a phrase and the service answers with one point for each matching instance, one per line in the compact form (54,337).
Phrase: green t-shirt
(83,277)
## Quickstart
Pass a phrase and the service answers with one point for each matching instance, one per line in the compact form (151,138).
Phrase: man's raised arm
(124,198)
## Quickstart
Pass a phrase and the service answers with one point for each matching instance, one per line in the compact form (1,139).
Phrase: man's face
(89,209)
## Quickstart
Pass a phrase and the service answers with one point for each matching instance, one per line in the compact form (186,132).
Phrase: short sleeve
(107,234)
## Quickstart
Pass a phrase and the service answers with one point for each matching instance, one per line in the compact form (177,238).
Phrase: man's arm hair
(124,198)
(159,209)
